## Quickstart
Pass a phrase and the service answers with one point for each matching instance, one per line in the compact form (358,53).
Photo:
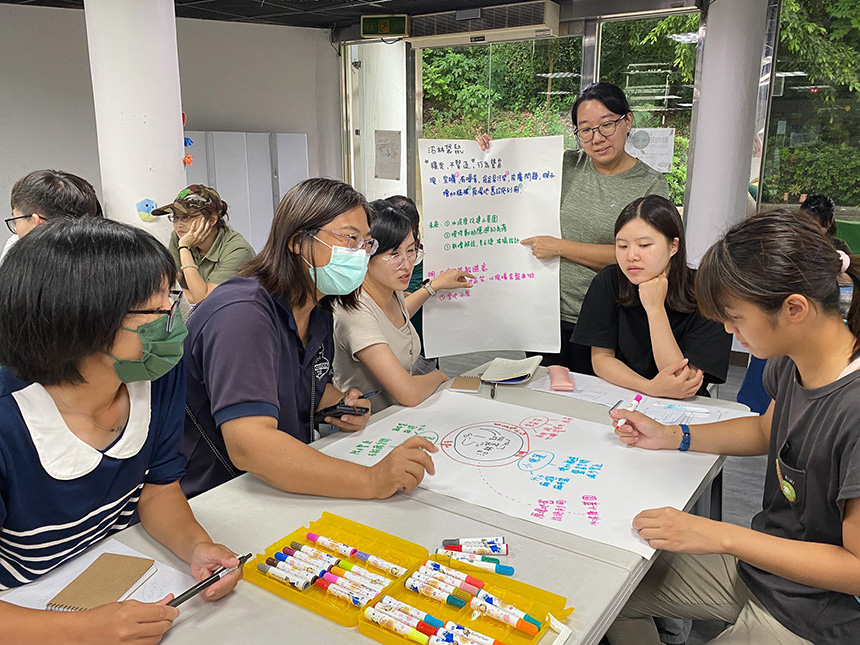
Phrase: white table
(248,516)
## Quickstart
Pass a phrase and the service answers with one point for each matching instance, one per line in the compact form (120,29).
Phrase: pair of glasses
(173,217)
(607,129)
(175,299)
(12,223)
(355,242)
(397,260)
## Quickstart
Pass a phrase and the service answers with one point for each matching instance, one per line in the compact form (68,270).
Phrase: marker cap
(504,569)
(424,628)
(322,583)
(313,537)
(455,602)
(361,555)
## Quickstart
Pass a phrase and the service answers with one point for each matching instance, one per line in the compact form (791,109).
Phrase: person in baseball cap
(205,249)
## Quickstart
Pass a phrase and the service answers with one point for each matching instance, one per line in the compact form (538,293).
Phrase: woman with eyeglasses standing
(91,419)
(259,354)
(376,347)
(205,249)
(598,181)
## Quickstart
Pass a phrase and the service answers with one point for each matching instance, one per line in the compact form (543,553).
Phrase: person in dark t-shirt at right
(640,316)
(793,577)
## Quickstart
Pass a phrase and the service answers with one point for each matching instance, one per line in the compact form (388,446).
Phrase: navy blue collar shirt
(244,357)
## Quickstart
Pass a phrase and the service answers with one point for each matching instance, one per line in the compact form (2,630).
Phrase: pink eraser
(559,379)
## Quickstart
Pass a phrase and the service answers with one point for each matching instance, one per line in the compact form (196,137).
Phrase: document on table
(36,595)
(667,411)
(551,469)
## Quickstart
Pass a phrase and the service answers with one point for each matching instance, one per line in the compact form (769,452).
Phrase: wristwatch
(426,285)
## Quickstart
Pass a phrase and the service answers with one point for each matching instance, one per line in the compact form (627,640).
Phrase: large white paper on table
(558,471)
(477,206)
(37,594)
(666,411)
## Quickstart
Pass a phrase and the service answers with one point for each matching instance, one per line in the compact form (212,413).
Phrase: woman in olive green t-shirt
(598,181)
(205,249)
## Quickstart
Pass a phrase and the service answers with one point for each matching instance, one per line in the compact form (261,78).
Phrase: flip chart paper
(667,411)
(562,472)
(478,206)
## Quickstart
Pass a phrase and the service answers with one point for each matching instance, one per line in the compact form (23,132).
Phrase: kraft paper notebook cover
(112,577)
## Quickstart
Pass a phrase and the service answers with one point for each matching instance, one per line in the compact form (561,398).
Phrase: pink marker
(332,545)
(633,405)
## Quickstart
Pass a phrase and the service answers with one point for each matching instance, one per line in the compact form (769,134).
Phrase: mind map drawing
(551,469)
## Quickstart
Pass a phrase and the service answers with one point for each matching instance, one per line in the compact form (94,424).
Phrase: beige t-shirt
(365,326)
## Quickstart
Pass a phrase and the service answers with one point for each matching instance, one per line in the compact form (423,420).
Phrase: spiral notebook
(111,578)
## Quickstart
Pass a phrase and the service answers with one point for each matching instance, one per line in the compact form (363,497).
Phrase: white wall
(235,77)
(382,93)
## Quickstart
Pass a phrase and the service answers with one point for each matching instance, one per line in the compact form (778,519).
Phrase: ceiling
(326,14)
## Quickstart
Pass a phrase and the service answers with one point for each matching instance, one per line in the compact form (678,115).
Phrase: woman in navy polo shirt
(91,419)
(259,358)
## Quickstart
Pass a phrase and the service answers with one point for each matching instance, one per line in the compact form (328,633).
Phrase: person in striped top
(91,416)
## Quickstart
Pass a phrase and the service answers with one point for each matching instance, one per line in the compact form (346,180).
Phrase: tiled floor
(743,477)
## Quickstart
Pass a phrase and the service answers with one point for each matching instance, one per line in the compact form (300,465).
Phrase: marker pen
(364,573)
(395,626)
(453,573)
(490,548)
(506,606)
(448,580)
(312,552)
(332,545)
(340,592)
(406,619)
(468,557)
(354,587)
(298,573)
(383,565)
(315,568)
(472,541)
(352,575)
(441,586)
(283,576)
(303,558)
(409,610)
(501,615)
(444,637)
(471,634)
(502,569)
(633,405)
(433,592)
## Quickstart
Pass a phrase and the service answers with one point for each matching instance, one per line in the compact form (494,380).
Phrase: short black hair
(822,208)
(409,209)
(54,193)
(65,289)
(389,226)
(610,95)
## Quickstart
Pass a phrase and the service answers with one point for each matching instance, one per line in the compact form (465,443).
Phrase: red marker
(485,549)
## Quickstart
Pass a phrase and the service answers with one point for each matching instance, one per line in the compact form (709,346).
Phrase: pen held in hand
(208,582)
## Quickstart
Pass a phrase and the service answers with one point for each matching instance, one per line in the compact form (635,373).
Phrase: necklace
(116,428)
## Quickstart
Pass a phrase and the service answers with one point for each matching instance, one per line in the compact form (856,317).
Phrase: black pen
(208,582)
(492,390)
(370,394)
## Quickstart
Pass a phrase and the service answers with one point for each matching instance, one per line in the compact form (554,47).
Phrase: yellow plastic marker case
(363,538)
(533,601)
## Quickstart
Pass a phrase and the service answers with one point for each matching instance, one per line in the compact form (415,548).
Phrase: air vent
(519,21)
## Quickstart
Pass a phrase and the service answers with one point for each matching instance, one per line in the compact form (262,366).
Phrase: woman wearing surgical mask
(259,358)
(91,418)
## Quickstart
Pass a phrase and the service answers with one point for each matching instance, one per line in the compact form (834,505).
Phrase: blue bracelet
(685,440)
